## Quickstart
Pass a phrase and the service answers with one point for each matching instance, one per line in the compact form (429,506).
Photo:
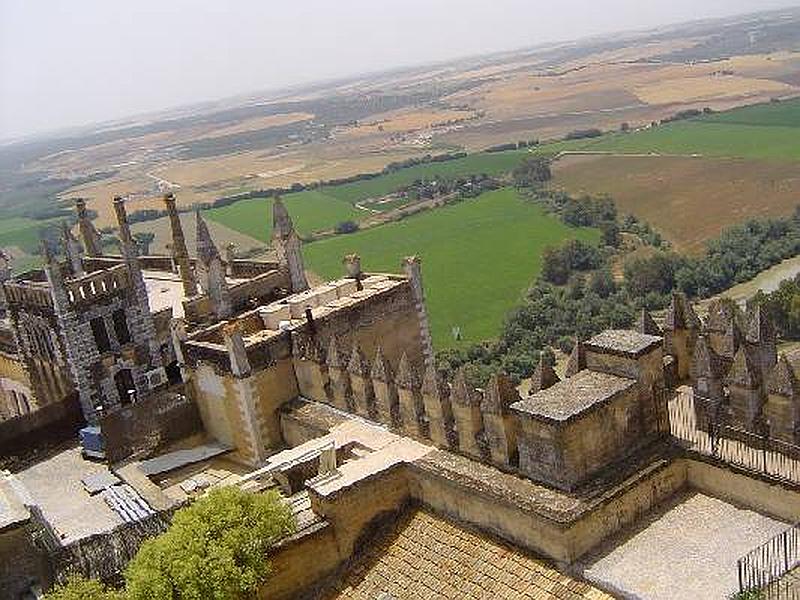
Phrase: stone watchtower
(89,235)
(212,270)
(106,327)
(179,252)
(681,328)
(287,244)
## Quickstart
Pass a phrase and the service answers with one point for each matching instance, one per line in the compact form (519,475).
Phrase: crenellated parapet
(734,368)
(452,414)
(499,423)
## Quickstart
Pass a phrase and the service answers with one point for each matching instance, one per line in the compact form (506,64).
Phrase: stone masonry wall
(140,428)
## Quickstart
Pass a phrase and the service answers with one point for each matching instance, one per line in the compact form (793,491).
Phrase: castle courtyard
(693,537)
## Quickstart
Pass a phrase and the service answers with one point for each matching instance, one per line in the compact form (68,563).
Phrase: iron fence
(772,571)
(701,426)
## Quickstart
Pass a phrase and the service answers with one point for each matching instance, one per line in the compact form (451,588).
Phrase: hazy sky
(72,62)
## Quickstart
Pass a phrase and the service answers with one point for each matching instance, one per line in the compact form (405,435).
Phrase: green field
(490,163)
(478,257)
(315,210)
(22,232)
(765,131)
(310,211)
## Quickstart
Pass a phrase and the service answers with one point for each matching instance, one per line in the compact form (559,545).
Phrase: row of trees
(150,214)
(738,255)
(548,315)
(433,187)
(216,549)
(783,306)
(576,294)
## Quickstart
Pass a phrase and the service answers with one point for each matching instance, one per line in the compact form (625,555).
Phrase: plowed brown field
(689,200)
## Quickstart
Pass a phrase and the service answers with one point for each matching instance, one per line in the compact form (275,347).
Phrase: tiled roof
(423,555)
(624,341)
(574,395)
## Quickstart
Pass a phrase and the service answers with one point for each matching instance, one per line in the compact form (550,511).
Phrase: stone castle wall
(140,428)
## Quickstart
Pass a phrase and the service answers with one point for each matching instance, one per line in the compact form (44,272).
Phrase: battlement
(96,285)
(28,293)
(271,325)
(542,437)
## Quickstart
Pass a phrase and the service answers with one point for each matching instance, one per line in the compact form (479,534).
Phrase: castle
(331,393)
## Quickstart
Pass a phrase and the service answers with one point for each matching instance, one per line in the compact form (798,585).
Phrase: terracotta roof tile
(449,562)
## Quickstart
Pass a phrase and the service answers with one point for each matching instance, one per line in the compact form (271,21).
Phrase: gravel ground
(685,549)
(55,485)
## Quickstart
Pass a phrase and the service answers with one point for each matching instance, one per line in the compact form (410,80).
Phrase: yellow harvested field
(519,96)
(257,123)
(710,87)
(204,180)
(405,121)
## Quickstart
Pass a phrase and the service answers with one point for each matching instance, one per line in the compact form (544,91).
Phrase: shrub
(346,227)
(77,587)
(580,134)
(215,548)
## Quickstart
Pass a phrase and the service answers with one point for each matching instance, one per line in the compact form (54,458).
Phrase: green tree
(144,239)
(532,172)
(654,273)
(215,549)
(555,265)
(77,587)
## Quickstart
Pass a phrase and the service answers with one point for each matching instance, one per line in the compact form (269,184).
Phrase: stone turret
(361,384)
(746,396)
(646,324)
(500,425)
(544,376)
(386,397)
(681,328)
(412,266)
(287,246)
(212,271)
(90,236)
(72,250)
(707,371)
(78,346)
(438,408)
(782,409)
(234,342)
(180,255)
(352,266)
(577,359)
(731,341)
(466,404)
(140,320)
(761,339)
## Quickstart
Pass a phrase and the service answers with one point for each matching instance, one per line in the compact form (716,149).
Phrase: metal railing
(700,425)
(772,568)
